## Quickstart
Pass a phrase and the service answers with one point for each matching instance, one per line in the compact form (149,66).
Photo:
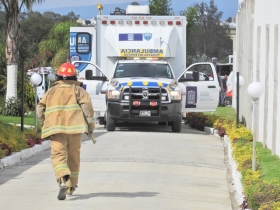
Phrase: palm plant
(12,9)
(58,42)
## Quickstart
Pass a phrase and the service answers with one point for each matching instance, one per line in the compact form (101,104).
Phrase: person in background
(224,88)
(66,112)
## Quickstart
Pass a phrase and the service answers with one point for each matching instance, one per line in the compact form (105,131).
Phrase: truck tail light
(104,22)
(113,22)
(178,23)
(154,22)
(129,22)
(170,23)
(145,22)
(161,22)
(137,22)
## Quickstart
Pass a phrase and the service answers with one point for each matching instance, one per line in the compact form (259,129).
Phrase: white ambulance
(134,68)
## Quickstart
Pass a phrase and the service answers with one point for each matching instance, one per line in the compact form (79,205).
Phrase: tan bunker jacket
(66,108)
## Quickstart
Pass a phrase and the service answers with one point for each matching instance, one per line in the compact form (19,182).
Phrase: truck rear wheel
(176,126)
(101,121)
(110,124)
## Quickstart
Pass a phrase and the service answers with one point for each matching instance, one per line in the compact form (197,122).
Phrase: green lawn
(227,113)
(27,120)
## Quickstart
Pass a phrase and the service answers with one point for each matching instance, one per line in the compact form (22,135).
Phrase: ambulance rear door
(83,56)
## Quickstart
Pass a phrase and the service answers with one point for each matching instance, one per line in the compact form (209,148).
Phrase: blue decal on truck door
(191,97)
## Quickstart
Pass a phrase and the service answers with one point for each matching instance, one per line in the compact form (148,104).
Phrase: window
(205,72)
(143,70)
(83,43)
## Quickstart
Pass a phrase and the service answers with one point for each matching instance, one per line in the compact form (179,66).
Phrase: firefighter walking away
(66,112)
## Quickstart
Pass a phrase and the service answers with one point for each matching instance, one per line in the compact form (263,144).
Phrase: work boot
(70,190)
(62,188)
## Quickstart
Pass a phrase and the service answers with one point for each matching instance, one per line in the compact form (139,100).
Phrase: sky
(87,8)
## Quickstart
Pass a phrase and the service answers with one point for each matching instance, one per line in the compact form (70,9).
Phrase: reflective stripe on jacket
(65,108)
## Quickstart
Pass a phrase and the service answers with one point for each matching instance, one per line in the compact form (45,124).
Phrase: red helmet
(67,70)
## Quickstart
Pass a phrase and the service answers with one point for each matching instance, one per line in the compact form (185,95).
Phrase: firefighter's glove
(91,127)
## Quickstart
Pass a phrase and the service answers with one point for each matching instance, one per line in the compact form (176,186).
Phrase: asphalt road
(138,166)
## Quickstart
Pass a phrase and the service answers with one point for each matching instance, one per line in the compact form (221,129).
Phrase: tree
(3,72)
(192,16)
(12,9)
(87,22)
(51,15)
(229,20)
(207,36)
(58,42)
(134,3)
(160,7)
(71,16)
(35,28)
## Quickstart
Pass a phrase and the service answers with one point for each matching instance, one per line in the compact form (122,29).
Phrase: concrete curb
(236,175)
(24,154)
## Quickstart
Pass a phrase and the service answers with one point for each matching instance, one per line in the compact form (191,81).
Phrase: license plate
(145,113)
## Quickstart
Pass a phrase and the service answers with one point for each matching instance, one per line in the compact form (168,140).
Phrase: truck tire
(176,126)
(110,124)
(101,121)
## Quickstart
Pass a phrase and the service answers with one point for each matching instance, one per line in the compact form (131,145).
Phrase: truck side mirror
(90,77)
(195,75)
(88,74)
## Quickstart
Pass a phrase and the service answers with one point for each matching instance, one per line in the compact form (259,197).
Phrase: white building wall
(257,59)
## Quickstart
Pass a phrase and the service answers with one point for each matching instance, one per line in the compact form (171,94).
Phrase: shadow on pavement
(154,127)
(113,194)
(43,157)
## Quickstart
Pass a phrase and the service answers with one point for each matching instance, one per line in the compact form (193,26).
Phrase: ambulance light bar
(144,22)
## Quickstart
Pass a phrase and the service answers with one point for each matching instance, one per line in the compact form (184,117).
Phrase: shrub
(2,153)
(29,95)
(11,107)
(199,120)
(11,139)
(196,120)
(261,193)
(211,119)
(220,125)
(270,206)
(32,138)
(262,190)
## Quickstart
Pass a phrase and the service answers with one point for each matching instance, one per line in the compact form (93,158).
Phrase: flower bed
(262,186)
(259,189)
(13,140)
